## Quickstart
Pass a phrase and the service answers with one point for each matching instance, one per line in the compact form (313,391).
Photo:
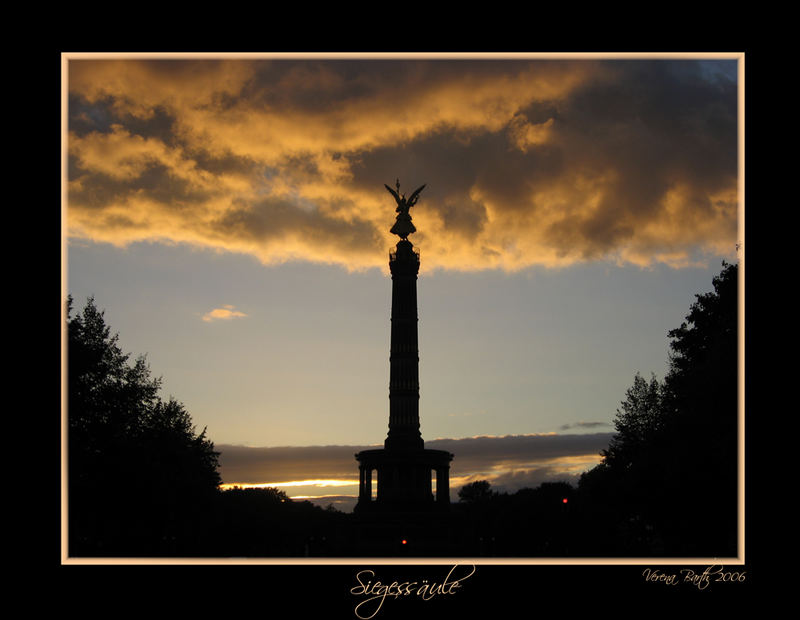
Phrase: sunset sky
(229,215)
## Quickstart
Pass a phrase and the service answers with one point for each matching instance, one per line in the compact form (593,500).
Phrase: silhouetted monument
(404,467)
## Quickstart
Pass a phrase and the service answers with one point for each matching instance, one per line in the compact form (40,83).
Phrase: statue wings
(411,201)
(393,193)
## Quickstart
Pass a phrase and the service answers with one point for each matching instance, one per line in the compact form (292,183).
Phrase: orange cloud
(527,162)
(225,313)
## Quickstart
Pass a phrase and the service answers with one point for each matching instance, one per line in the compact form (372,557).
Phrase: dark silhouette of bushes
(264,522)
(529,522)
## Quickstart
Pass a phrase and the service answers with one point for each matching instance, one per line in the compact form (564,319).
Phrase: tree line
(142,481)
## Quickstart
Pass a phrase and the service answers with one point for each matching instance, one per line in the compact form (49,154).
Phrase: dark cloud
(511,459)
(465,215)
(446,165)
(159,124)
(530,478)
(86,117)
(319,84)
(482,453)
(153,182)
(227,163)
(282,219)
(654,125)
(282,464)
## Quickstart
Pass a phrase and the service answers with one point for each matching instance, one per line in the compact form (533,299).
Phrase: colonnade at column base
(404,481)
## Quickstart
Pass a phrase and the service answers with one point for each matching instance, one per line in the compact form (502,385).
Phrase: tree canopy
(138,472)
(637,423)
(478,491)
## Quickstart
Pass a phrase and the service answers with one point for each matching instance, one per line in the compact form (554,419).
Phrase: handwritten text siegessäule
(376,592)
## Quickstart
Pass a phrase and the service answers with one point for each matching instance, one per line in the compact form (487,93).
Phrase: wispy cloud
(225,313)
(566,427)
(527,162)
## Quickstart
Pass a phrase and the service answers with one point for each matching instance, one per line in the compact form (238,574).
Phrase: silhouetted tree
(699,443)
(139,475)
(638,421)
(478,491)
(264,497)
(668,481)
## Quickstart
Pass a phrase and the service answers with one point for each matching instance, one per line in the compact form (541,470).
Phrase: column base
(404,480)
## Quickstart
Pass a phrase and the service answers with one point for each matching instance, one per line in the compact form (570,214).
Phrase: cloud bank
(509,463)
(527,162)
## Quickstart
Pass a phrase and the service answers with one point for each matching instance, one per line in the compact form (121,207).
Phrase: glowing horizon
(508,463)
(295,483)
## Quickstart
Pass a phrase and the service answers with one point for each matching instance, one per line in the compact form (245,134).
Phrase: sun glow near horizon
(226,486)
(505,475)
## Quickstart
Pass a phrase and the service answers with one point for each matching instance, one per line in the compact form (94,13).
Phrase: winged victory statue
(403,226)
